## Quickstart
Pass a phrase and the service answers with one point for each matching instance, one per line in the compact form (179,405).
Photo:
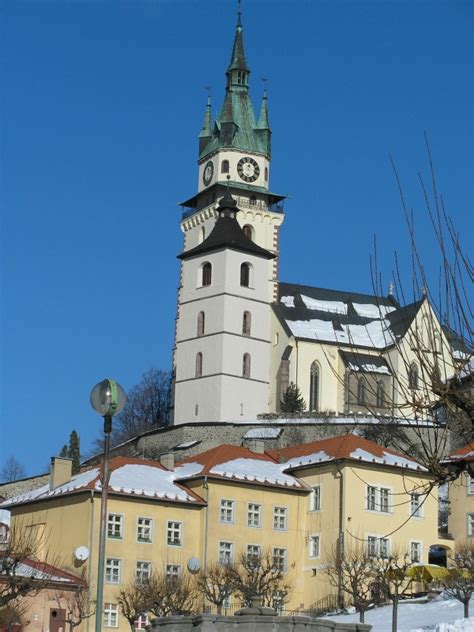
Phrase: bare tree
(216,583)
(133,601)
(78,605)
(260,575)
(459,584)
(170,594)
(12,470)
(354,572)
(393,581)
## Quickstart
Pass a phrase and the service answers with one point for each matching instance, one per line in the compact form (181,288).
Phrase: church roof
(365,363)
(227,233)
(341,317)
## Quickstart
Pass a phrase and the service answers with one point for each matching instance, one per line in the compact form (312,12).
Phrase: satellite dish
(81,553)
(194,565)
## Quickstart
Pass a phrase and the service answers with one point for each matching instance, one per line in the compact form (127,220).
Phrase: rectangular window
(315,498)
(378,547)
(384,500)
(372,546)
(227,511)
(254,552)
(314,545)
(115,526)
(470,484)
(173,571)
(144,526)
(141,622)
(254,515)
(143,572)
(415,505)
(112,571)
(384,547)
(174,533)
(371,498)
(280,516)
(226,552)
(415,552)
(470,524)
(280,559)
(110,615)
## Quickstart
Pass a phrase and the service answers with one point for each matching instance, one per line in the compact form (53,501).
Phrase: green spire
(207,123)
(238,71)
(263,120)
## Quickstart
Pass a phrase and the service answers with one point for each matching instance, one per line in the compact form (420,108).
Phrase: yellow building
(461,497)
(297,502)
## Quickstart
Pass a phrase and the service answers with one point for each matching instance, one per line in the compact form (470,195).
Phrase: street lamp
(107,399)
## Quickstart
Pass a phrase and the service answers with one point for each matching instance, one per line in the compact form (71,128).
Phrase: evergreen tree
(292,400)
(74,451)
(64,451)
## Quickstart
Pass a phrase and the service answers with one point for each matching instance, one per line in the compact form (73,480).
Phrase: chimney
(167,460)
(257,446)
(60,471)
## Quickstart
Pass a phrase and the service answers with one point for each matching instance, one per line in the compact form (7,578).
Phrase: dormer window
(225,166)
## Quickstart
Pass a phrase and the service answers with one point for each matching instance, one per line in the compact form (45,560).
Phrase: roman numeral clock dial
(248,169)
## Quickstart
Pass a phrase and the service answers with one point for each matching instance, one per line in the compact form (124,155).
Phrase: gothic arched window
(380,394)
(314,378)
(246,323)
(201,324)
(207,274)
(361,391)
(199,364)
(266,174)
(413,376)
(246,365)
(248,231)
(245,274)
(225,166)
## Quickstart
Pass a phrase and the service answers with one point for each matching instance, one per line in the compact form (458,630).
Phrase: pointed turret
(263,125)
(206,131)
(238,71)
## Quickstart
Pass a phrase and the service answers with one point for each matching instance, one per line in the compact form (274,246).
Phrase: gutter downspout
(297,362)
(340,539)
(91,542)
(206,530)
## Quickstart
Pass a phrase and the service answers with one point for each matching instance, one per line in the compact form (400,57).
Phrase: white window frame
(256,552)
(121,523)
(229,552)
(314,537)
(416,512)
(470,524)
(226,511)
(315,498)
(171,528)
(280,518)
(252,512)
(114,568)
(377,540)
(173,571)
(144,527)
(420,551)
(111,615)
(470,484)
(374,494)
(142,567)
(141,622)
(281,554)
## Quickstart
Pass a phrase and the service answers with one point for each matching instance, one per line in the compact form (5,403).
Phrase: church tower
(229,262)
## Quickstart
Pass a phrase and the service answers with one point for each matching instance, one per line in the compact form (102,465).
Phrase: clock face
(248,169)
(208,172)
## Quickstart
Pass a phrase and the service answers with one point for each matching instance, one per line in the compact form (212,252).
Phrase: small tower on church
(222,353)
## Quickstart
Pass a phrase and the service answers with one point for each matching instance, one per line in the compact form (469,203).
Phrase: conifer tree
(74,451)
(64,451)
(292,400)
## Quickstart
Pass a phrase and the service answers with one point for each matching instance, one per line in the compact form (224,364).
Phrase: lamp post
(107,399)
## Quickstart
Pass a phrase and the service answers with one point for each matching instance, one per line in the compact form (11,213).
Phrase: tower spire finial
(239,13)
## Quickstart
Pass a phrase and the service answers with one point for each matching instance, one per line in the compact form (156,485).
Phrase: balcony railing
(242,202)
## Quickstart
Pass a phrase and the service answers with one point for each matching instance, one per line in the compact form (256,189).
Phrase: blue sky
(102,102)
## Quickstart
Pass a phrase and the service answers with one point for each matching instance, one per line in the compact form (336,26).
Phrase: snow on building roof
(465,453)
(187,444)
(349,446)
(43,571)
(263,433)
(376,333)
(335,307)
(133,477)
(371,310)
(365,363)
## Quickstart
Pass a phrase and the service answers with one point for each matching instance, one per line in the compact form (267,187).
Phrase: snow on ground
(439,615)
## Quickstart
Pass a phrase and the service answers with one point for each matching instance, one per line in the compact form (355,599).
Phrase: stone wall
(252,623)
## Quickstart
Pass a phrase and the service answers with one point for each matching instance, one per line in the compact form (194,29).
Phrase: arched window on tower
(198,364)
(248,231)
(225,166)
(314,389)
(206,273)
(380,394)
(266,174)
(413,376)
(246,323)
(361,391)
(246,365)
(245,274)
(201,324)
